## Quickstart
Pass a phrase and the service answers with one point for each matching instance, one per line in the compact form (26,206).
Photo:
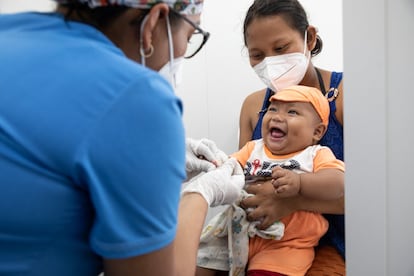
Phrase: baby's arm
(326,184)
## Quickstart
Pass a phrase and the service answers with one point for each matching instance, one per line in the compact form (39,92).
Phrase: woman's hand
(268,208)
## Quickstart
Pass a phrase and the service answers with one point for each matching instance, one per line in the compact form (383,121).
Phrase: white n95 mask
(172,70)
(279,72)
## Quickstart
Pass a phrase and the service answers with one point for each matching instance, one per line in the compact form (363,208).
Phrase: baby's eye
(272,109)
(292,111)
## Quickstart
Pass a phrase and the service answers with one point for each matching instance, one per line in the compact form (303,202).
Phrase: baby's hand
(285,182)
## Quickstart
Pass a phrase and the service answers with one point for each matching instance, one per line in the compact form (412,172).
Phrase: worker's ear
(150,22)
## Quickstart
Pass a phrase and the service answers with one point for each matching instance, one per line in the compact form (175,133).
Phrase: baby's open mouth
(277,132)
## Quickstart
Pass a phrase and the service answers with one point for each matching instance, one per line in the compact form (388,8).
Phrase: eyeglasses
(197,39)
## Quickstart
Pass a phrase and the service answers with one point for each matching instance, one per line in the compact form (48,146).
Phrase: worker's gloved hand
(220,186)
(202,156)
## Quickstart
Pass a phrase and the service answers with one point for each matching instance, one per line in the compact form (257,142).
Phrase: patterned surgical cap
(182,6)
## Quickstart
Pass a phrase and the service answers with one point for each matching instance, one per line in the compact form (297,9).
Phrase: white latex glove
(220,186)
(202,156)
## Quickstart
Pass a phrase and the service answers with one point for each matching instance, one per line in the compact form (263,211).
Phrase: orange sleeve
(244,153)
(325,159)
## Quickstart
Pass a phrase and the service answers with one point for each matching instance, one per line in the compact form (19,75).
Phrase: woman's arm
(178,258)
(160,262)
(192,213)
(326,184)
(249,115)
(269,208)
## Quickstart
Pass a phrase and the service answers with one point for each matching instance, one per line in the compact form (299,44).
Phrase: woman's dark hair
(291,10)
(101,17)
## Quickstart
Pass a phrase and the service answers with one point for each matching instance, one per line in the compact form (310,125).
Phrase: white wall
(379,136)
(9,6)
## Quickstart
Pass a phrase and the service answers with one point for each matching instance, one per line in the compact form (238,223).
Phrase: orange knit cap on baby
(300,93)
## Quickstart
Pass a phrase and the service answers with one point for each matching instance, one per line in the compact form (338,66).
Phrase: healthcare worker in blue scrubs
(92,145)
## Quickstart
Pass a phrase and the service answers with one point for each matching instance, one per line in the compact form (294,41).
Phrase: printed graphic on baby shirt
(264,169)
